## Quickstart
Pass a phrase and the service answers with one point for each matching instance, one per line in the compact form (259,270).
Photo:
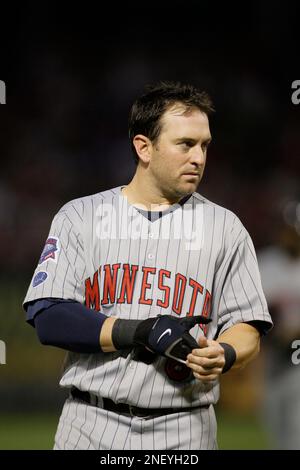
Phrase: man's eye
(187,144)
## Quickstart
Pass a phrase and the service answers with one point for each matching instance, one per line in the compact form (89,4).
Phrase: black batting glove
(168,336)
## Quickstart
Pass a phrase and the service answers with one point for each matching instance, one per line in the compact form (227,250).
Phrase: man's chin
(188,188)
(182,190)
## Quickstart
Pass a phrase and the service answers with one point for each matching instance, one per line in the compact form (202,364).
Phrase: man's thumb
(202,341)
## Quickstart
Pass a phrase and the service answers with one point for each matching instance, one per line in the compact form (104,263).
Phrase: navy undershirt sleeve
(66,324)
(36,306)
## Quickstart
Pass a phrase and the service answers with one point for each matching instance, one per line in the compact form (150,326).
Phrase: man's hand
(207,361)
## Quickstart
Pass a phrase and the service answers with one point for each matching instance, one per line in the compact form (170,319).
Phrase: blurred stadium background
(71,78)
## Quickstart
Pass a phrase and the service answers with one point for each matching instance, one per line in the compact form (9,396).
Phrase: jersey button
(150,256)
(151,235)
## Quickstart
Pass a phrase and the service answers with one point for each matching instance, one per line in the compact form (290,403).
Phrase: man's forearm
(72,326)
(245,339)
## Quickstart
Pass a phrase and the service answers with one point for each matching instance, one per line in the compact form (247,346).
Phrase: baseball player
(152,289)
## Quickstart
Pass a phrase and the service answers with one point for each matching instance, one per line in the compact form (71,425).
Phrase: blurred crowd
(69,138)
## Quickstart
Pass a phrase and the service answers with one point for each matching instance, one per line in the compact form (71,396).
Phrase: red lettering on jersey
(127,283)
(92,294)
(146,285)
(206,309)
(196,289)
(162,273)
(93,298)
(180,283)
(110,283)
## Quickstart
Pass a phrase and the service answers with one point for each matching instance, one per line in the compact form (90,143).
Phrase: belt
(123,408)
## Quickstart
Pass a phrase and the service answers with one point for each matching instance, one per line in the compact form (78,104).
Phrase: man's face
(178,156)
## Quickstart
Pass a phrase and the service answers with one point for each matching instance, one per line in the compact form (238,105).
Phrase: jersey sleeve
(241,298)
(61,268)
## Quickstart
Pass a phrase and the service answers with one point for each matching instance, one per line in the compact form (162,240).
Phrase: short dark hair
(147,110)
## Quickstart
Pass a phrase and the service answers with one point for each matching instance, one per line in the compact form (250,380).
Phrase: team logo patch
(40,277)
(50,251)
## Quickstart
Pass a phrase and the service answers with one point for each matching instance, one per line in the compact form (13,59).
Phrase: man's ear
(142,147)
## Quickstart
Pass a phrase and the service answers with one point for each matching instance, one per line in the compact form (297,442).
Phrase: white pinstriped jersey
(197,258)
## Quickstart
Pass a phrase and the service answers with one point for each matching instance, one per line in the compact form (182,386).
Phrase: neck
(141,193)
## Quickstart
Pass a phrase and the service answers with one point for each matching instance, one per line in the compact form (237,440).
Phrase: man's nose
(198,156)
